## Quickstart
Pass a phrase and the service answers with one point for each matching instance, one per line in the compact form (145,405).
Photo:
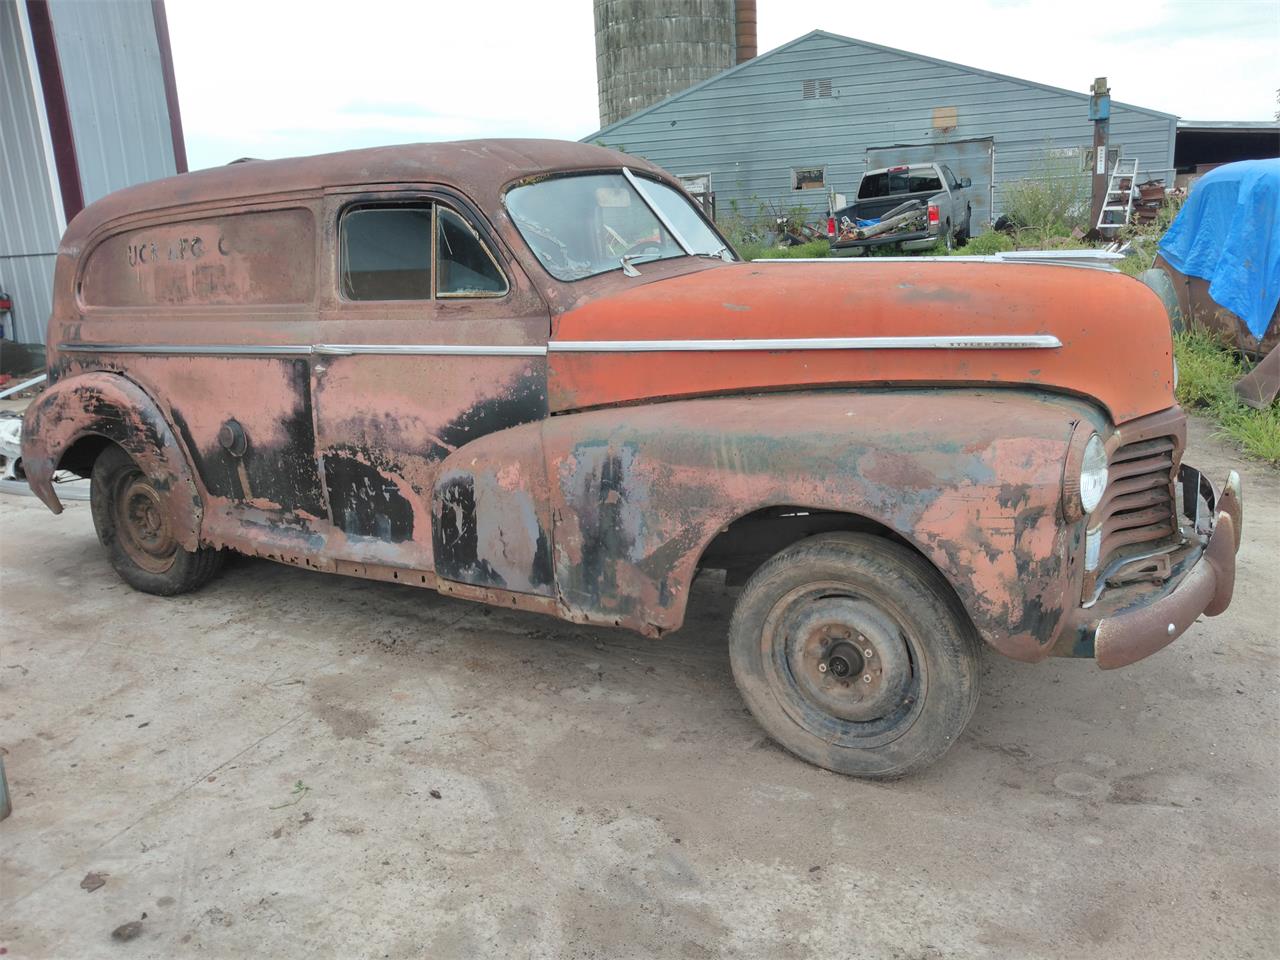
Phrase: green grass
(985,244)
(1207,372)
(763,251)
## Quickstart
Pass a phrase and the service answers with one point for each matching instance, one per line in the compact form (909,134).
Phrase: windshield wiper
(724,253)
(626,260)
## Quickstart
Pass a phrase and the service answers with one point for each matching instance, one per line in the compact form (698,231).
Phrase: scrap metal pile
(1151,196)
(905,218)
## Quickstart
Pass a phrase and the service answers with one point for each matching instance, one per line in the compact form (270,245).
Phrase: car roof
(904,166)
(478,168)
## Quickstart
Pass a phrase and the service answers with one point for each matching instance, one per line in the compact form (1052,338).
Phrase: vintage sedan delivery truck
(532,374)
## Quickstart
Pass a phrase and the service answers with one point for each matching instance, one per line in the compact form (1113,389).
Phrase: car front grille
(1137,512)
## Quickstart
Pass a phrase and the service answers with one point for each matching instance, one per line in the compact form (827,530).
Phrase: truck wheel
(130,521)
(853,653)
(950,238)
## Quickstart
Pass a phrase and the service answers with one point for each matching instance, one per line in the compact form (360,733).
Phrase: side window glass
(386,253)
(465,268)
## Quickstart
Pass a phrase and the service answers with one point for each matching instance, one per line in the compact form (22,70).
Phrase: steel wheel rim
(141,526)
(796,627)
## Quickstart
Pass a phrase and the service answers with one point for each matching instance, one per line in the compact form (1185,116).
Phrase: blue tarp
(1228,232)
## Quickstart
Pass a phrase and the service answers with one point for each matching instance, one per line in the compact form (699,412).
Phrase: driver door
(431,337)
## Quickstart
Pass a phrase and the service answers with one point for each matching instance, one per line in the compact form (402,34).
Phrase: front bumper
(1129,623)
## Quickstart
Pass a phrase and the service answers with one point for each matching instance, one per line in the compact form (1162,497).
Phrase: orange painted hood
(1114,333)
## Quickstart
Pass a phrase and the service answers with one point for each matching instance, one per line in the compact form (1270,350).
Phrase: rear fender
(110,406)
(972,480)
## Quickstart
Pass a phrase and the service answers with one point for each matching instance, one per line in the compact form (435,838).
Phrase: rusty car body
(579,432)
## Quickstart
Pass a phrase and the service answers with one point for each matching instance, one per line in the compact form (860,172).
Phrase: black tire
(949,238)
(797,620)
(126,515)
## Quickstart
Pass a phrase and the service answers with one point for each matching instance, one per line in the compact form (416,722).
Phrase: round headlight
(1093,474)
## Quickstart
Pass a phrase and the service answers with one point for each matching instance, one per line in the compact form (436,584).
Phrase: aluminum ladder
(1118,200)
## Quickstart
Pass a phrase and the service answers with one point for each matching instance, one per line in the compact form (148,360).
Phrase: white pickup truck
(911,206)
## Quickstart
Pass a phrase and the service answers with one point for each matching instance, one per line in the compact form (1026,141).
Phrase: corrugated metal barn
(87,106)
(806,119)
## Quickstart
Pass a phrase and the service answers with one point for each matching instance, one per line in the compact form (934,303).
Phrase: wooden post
(1100,114)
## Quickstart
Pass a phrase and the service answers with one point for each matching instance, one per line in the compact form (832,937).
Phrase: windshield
(579,226)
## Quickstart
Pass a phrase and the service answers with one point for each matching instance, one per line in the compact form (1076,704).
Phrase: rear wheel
(949,237)
(129,516)
(853,653)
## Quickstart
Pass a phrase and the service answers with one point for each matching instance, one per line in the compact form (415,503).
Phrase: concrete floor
(255,768)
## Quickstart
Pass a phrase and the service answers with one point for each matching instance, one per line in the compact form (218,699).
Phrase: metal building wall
(112,73)
(29,218)
(751,125)
(113,78)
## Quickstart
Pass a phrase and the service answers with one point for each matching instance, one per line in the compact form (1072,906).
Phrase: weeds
(985,244)
(1144,239)
(300,790)
(1207,372)
(1052,203)
(762,251)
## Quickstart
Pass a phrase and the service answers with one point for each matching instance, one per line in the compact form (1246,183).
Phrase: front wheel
(853,653)
(129,516)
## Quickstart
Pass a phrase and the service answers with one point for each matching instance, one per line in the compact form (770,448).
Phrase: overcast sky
(274,78)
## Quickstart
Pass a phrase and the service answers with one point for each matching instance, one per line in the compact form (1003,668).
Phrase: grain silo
(649,49)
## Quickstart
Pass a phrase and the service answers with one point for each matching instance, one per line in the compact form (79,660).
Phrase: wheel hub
(842,659)
(141,525)
(848,658)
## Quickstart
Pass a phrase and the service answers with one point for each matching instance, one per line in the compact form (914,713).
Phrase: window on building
(808,178)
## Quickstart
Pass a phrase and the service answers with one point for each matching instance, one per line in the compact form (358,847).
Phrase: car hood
(746,327)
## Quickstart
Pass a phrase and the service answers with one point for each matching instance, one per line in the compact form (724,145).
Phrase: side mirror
(966,182)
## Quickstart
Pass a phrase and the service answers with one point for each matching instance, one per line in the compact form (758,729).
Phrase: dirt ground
(289,764)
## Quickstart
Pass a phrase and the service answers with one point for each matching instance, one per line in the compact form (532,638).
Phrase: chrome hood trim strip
(1028,342)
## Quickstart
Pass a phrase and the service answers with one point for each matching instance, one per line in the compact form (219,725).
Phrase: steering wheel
(643,246)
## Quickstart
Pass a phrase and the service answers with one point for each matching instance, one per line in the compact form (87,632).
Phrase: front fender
(972,479)
(110,406)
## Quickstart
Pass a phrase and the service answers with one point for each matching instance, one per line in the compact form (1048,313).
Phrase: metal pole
(1100,114)
(22,386)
